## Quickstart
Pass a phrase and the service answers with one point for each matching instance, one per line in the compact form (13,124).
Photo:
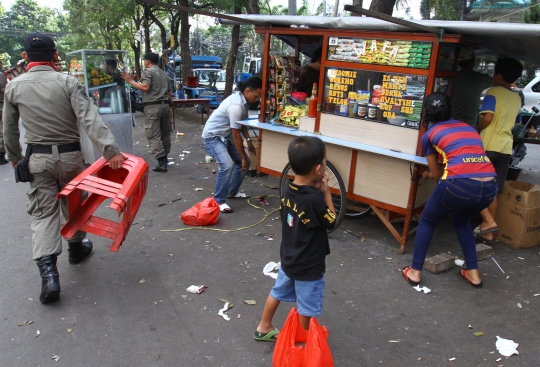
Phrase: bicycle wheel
(335,183)
(357,209)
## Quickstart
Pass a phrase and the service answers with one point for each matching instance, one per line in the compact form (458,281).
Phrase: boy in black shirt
(306,213)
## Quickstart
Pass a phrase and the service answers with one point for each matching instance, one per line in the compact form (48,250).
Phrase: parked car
(531,93)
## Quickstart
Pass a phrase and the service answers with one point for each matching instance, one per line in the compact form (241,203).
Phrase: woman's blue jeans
(229,178)
(464,199)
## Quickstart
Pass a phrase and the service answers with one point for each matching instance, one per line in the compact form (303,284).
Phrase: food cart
(374,77)
(99,72)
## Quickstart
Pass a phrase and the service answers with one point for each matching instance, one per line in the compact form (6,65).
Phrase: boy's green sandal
(268,337)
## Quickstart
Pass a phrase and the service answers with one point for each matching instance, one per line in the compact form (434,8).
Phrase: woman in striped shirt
(466,184)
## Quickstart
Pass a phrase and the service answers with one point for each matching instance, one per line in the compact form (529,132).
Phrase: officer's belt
(157,102)
(47,149)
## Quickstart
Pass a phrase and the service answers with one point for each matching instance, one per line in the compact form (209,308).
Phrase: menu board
(395,99)
(410,54)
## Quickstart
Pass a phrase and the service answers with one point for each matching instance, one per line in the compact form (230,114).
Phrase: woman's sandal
(406,276)
(463,273)
(268,337)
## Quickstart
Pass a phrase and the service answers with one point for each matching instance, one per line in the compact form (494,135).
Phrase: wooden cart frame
(384,209)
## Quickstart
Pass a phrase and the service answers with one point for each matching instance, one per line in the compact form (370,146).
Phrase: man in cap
(468,88)
(156,99)
(51,105)
(3,84)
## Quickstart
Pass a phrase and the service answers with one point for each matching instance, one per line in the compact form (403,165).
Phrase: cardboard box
(518,215)
(306,124)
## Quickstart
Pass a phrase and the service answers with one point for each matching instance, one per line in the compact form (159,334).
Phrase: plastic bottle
(313,100)
(532,133)
(119,100)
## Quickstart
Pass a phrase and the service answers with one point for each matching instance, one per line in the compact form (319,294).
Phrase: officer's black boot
(3,159)
(50,279)
(162,165)
(78,251)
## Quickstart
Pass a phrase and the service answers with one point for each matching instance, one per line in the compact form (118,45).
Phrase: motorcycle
(519,150)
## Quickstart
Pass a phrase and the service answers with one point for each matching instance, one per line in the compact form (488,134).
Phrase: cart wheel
(335,183)
(357,209)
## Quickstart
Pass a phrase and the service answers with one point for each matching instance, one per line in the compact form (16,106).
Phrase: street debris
(459,262)
(536,295)
(394,341)
(37,333)
(26,323)
(69,330)
(224,300)
(519,305)
(519,257)
(170,202)
(271,269)
(238,316)
(452,359)
(470,326)
(250,302)
(55,358)
(426,290)
(223,314)
(262,200)
(196,289)
(498,359)
(478,333)
(198,189)
(498,265)
(142,281)
(170,163)
(186,151)
(506,347)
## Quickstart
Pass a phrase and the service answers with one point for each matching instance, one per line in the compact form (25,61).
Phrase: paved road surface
(115,320)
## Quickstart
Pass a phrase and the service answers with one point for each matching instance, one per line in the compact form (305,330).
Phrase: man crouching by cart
(50,104)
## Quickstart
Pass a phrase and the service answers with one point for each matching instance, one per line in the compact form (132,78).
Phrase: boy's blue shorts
(308,294)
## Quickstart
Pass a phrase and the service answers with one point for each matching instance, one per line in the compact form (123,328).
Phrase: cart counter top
(340,142)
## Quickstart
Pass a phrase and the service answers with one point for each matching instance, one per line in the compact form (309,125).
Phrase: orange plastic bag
(204,213)
(315,353)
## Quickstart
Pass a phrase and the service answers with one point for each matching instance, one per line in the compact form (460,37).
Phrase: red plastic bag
(204,213)
(315,353)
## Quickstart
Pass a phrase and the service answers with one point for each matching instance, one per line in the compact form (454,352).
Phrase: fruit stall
(374,76)
(99,72)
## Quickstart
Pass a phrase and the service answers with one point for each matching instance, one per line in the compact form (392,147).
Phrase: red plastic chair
(125,186)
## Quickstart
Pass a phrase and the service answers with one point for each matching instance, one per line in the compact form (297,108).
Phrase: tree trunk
(147,46)
(254,8)
(162,31)
(358,3)
(185,53)
(383,6)
(231,61)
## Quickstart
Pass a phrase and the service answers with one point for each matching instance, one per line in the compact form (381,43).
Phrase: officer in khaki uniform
(3,83)
(156,98)
(50,104)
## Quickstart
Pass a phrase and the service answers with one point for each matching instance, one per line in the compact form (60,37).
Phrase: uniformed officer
(3,83)
(50,103)
(156,99)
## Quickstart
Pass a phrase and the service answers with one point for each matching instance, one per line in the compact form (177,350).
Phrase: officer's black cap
(152,57)
(38,42)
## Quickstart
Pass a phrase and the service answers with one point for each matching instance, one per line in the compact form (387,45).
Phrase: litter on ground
(271,268)
(506,347)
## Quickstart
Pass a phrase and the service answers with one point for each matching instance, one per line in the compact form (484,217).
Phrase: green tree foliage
(532,15)
(24,17)
(100,23)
